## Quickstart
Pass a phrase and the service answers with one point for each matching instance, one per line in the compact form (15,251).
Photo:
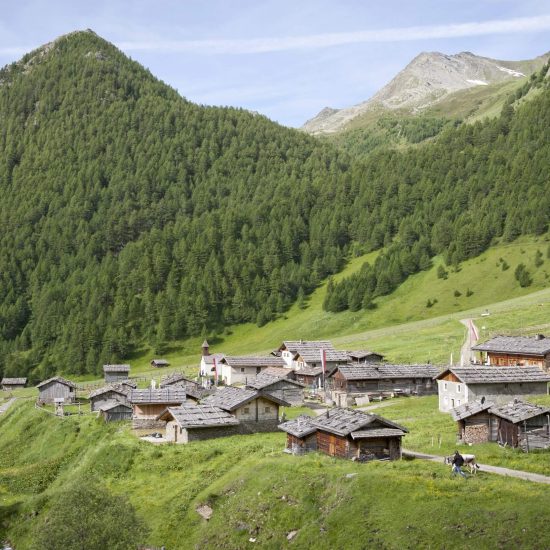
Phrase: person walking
(457,463)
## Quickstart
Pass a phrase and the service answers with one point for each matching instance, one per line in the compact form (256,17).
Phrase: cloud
(265,45)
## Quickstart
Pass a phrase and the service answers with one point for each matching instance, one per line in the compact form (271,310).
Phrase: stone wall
(200,434)
(251,427)
(148,424)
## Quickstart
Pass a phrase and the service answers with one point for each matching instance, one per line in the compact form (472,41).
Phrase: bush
(457,293)
(523,276)
(538,259)
(469,293)
(442,272)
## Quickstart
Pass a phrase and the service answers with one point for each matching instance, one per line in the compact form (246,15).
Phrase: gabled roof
(58,379)
(160,362)
(516,345)
(253,361)
(13,381)
(309,371)
(300,426)
(116,368)
(172,395)
(209,359)
(280,372)
(470,409)
(362,354)
(518,411)
(116,388)
(378,432)
(231,398)
(190,415)
(108,405)
(175,378)
(488,374)
(298,346)
(262,381)
(376,371)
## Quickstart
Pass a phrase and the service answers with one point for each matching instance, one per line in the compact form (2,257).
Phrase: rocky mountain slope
(425,81)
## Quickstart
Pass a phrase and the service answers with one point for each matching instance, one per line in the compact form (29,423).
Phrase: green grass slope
(257,492)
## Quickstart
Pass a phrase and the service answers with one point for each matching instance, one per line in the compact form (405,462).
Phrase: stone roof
(303,346)
(170,395)
(362,354)
(190,415)
(489,374)
(343,422)
(230,398)
(13,381)
(117,388)
(253,361)
(470,409)
(162,362)
(111,404)
(280,372)
(263,380)
(309,371)
(378,432)
(516,345)
(58,379)
(174,378)
(518,411)
(375,371)
(209,359)
(116,368)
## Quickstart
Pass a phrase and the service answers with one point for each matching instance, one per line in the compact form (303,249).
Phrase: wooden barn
(239,369)
(160,363)
(9,384)
(149,403)
(193,389)
(116,373)
(516,424)
(508,351)
(347,433)
(348,382)
(460,385)
(310,377)
(255,411)
(364,356)
(115,411)
(282,388)
(193,422)
(109,394)
(56,388)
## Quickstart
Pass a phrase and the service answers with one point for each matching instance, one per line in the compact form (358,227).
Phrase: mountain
(426,81)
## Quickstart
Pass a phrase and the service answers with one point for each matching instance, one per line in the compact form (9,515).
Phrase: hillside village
(240,395)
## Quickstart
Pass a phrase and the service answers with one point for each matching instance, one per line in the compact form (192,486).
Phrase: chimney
(205,349)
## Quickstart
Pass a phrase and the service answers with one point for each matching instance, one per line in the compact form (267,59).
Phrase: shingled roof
(488,374)
(378,432)
(309,371)
(375,371)
(231,398)
(362,354)
(174,378)
(253,361)
(108,405)
(518,411)
(301,426)
(59,379)
(117,388)
(279,372)
(190,415)
(470,409)
(170,395)
(516,345)
(263,380)
(13,381)
(116,368)
(209,359)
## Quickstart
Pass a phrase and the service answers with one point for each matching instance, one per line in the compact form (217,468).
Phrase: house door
(332,447)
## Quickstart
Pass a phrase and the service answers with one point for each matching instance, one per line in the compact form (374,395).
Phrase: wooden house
(116,373)
(9,384)
(515,351)
(346,433)
(256,412)
(175,379)
(346,383)
(149,403)
(282,388)
(193,422)
(160,363)
(239,369)
(311,377)
(516,424)
(193,389)
(460,385)
(364,356)
(109,394)
(115,411)
(56,388)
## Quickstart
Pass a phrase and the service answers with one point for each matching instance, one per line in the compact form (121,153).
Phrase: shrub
(457,293)
(538,259)
(442,272)
(523,276)
(469,292)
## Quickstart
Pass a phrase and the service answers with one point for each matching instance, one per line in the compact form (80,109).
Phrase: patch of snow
(510,71)
(478,82)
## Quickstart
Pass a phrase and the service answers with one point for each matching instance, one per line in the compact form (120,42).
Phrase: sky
(286,59)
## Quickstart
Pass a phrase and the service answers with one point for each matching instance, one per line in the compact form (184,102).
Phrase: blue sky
(285,59)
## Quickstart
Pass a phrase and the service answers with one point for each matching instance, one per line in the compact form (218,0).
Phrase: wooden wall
(56,390)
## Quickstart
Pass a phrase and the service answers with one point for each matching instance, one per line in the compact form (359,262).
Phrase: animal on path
(469,461)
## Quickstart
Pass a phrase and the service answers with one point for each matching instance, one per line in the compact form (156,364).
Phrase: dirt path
(7,405)
(520,474)
(465,352)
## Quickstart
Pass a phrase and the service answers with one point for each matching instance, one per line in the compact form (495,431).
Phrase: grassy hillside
(258,492)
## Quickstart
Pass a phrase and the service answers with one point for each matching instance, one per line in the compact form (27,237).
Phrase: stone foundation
(148,424)
(257,427)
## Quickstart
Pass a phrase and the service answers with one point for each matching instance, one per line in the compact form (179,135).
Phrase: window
(258,370)
(242,369)
(445,386)
(246,410)
(458,402)
(267,409)
(458,388)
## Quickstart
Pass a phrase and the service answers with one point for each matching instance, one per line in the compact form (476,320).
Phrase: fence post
(526,435)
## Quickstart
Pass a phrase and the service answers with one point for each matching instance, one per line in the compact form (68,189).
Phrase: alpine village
(220,332)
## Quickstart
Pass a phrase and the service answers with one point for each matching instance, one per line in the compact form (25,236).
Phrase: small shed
(255,411)
(193,422)
(301,435)
(160,363)
(149,403)
(116,373)
(114,411)
(311,377)
(9,384)
(56,388)
(109,394)
(282,388)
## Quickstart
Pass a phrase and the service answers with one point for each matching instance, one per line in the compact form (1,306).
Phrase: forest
(131,216)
